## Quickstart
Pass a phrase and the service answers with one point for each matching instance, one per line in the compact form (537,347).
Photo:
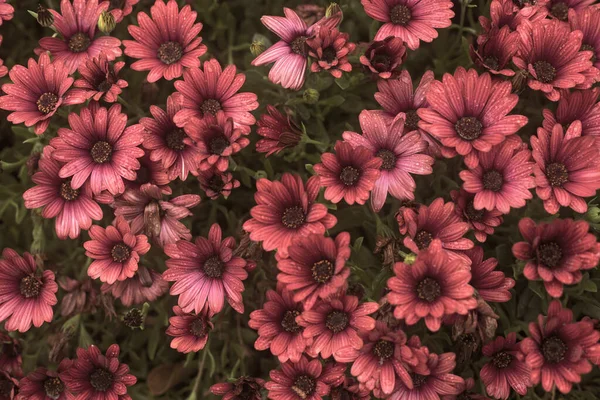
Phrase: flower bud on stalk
(311,96)
(106,22)
(44,17)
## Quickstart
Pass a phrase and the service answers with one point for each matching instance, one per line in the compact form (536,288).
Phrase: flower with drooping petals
(190,331)
(146,285)
(508,13)
(560,9)
(491,284)
(121,8)
(6,11)
(216,183)
(278,132)
(330,49)
(556,252)
(244,387)
(44,384)
(481,222)
(384,57)
(100,79)
(151,173)
(495,51)
(587,20)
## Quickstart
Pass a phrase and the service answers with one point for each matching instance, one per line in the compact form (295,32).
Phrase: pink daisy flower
(190,331)
(216,183)
(490,284)
(556,252)
(290,54)
(76,24)
(165,43)
(507,13)
(330,49)
(285,211)
(206,273)
(481,222)
(244,387)
(567,167)
(121,8)
(74,209)
(44,384)
(37,92)
(495,50)
(100,79)
(278,132)
(587,20)
(411,21)
(502,179)
(384,57)
(146,285)
(27,294)
(6,11)
(94,376)
(560,9)
(212,89)
(99,149)
(115,250)
(401,154)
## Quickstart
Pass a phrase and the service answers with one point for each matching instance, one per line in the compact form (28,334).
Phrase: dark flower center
(299,46)
(560,11)
(101,152)
(471,213)
(389,159)
(47,102)
(133,318)
(101,379)
(198,328)
(79,42)
(411,123)
(216,184)
(210,106)
(468,128)
(6,387)
(53,387)
(293,217)
(336,321)
(557,174)
(9,350)
(400,15)
(545,71)
(492,63)
(418,380)
(383,350)
(104,86)
(329,54)
(468,339)
(423,239)
(322,271)
(382,62)
(175,139)
(218,144)
(213,267)
(288,323)
(67,192)
(304,386)
(464,396)
(429,290)
(549,254)
(589,47)
(554,349)
(501,360)
(349,175)
(169,52)
(120,252)
(493,180)
(247,392)
(30,286)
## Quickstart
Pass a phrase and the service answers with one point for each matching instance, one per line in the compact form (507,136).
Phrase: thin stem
(201,367)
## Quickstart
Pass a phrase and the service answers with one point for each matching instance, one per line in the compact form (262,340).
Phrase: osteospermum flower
(216,183)
(495,51)
(491,284)
(74,209)
(44,384)
(481,222)
(278,132)
(401,154)
(37,92)
(212,89)
(206,273)
(556,252)
(100,79)
(190,331)
(76,24)
(243,388)
(587,20)
(384,57)
(567,167)
(502,179)
(330,49)
(508,13)
(6,11)
(145,285)
(468,114)
(408,20)
(99,149)
(94,376)
(167,42)
(285,211)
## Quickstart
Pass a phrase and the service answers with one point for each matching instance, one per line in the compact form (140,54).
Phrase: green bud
(593,214)
(333,9)
(410,258)
(257,47)
(106,22)
(311,96)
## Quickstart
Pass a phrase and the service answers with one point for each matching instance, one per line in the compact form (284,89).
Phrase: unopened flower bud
(257,47)
(311,96)
(593,215)
(332,10)
(410,258)
(134,319)
(44,17)
(106,22)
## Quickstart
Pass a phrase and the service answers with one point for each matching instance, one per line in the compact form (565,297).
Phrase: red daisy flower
(330,49)
(99,149)
(336,323)
(37,92)
(490,284)
(285,211)
(100,79)
(115,250)
(244,387)
(556,252)
(216,183)
(587,20)
(567,167)
(44,384)
(279,131)
(384,57)
(502,179)
(508,13)
(349,174)
(212,89)
(121,8)
(94,376)
(277,328)
(307,380)
(481,222)
(74,209)
(560,9)
(11,359)
(549,68)
(349,389)
(554,349)
(165,43)
(76,24)
(146,285)
(190,331)
(495,50)
(401,154)
(316,267)
(6,11)
(411,21)
(206,273)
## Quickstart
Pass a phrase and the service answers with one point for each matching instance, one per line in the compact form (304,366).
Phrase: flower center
(30,286)
(429,290)
(349,175)
(589,47)
(104,86)
(468,128)
(389,159)
(213,267)
(79,42)
(216,183)
(101,379)
(471,213)
(53,387)
(492,63)
(133,318)
(101,152)
(169,52)
(288,323)
(198,328)
(304,386)
(47,102)
(210,106)
(423,239)
(502,360)
(293,217)
(329,54)
(322,271)
(493,180)
(120,252)
(545,71)
(336,321)
(418,380)
(411,123)
(560,11)
(554,349)
(67,192)
(400,15)
(175,139)
(382,62)
(218,144)
(557,174)
(383,350)
(299,46)
(247,392)
(549,254)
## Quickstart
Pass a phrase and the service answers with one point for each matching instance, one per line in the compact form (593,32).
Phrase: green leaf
(358,244)
(153,340)
(85,339)
(537,288)
(589,286)
(333,101)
